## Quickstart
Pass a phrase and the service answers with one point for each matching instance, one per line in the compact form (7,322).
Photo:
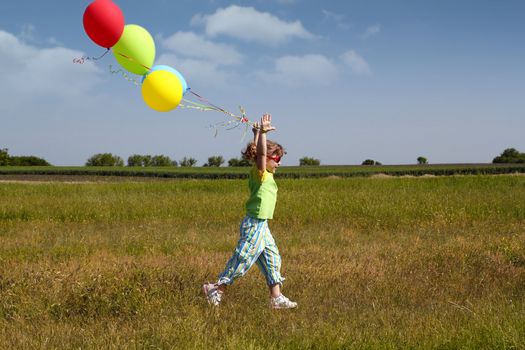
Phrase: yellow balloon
(162,90)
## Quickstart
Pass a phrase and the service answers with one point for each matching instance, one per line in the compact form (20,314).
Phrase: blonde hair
(272,149)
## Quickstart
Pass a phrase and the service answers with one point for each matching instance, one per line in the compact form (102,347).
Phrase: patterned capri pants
(256,244)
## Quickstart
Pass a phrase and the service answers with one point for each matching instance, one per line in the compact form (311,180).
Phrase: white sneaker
(212,294)
(282,302)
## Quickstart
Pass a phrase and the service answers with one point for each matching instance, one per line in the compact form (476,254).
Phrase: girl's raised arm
(266,126)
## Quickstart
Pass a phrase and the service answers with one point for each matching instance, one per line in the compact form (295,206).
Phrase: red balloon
(104,22)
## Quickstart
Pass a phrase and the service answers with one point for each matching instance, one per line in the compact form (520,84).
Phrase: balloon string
(124,74)
(83,59)
(195,104)
(200,108)
(132,60)
(205,100)
(229,125)
(242,119)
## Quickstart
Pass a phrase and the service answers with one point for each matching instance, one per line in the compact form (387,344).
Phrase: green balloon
(135,50)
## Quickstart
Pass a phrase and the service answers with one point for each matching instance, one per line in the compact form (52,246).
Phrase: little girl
(256,244)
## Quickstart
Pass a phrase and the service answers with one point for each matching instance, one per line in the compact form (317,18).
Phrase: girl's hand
(266,123)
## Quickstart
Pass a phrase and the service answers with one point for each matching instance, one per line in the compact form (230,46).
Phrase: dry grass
(384,263)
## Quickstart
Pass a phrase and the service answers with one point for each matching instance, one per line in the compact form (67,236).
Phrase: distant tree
(371,162)
(239,162)
(4,156)
(27,161)
(215,161)
(188,162)
(162,160)
(309,161)
(244,162)
(510,155)
(147,160)
(104,159)
(6,159)
(136,160)
(422,160)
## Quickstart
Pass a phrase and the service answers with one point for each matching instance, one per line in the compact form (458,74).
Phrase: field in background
(432,262)
(284,172)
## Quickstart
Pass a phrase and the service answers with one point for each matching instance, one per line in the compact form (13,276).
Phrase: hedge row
(284,172)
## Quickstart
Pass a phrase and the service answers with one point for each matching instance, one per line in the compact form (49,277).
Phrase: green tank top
(263,194)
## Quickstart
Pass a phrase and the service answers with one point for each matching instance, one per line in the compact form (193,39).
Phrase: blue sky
(345,81)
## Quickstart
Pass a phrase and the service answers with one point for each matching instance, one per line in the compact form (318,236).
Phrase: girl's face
(273,162)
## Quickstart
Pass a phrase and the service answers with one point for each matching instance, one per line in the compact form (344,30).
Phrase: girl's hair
(272,148)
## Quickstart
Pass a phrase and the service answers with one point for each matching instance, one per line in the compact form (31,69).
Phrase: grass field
(380,263)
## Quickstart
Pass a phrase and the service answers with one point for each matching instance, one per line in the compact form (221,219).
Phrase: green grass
(381,263)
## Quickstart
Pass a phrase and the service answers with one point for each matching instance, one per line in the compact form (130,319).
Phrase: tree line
(509,155)
(160,160)
(137,160)
(8,160)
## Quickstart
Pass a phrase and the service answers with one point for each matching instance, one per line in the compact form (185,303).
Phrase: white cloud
(28,35)
(192,45)
(12,51)
(313,69)
(246,23)
(43,72)
(53,41)
(357,64)
(371,31)
(197,72)
(299,70)
(202,62)
(337,18)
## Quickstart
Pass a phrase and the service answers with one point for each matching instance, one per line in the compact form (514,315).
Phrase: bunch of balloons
(134,49)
